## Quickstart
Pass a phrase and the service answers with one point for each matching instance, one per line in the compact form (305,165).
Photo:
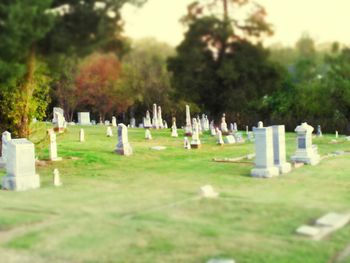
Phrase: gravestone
(188,127)
(195,142)
(82,135)
(5,139)
(20,166)
(239,137)
(306,152)
(231,128)
(155,124)
(279,149)
(56,178)
(123,147)
(132,122)
(107,123)
(165,124)
(200,129)
(207,191)
(246,130)
(203,122)
(174,129)
(336,134)
(147,121)
(187,144)
(53,146)
(93,122)
(109,132)
(251,136)
(56,110)
(220,141)
(264,159)
(60,124)
(148,135)
(160,119)
(235,129)
(84,118)
(223,125)
(212,129)
(319,131)
(229,139)
(114,121)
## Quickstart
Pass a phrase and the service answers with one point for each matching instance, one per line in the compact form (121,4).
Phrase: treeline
(73,54)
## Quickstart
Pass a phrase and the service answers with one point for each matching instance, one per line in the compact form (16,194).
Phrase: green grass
(143,208)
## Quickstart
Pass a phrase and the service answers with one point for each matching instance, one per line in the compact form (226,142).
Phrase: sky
(323,20)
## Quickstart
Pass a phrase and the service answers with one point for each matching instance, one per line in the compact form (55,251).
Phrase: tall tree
(217,66)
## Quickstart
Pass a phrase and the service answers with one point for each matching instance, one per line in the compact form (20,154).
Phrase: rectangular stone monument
(56,110)
(123,147)
(306,152)
(279,149)
(84,118)
(264,159)
(20,166)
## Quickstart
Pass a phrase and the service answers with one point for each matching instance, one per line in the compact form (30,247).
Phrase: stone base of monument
(284,168)
(20,183)
(225,133)
(265,172)
(124,150)
(312,160)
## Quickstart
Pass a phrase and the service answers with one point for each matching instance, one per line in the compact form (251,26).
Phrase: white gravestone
(264,159)
(133,123)
(56,110)
(148,135)
(53,146)
(84,118)
(5,138)
(203,122)
(223,125)
(20,166)
(279,149)
(220,141)
(200,129)
(239,137)
(212,129)
(114,121)
(165,125)
(147,121)
(306,152)
(155,124)
(123,147)
(174,129)
(187,144)
(82,135)
(319,131)
(56,178)
(160,119)
(207,191)
(188,127)
(60,124)
(195,143)
(109,132)
(107,123)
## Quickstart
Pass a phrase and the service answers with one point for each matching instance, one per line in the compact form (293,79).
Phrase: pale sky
(324,20)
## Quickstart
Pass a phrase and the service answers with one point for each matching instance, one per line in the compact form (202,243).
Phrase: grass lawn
(144,208)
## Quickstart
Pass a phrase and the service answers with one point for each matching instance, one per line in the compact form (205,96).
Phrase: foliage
(97,84)
(23,24)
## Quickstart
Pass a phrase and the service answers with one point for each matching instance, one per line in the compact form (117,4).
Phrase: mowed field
(145,207)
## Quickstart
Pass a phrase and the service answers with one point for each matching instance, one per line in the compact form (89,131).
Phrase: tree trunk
(26,94)
(225,9)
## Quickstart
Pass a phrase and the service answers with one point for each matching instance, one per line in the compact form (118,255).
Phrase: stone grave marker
(123,147)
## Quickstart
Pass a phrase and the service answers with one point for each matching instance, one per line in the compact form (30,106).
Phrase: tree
(23,24)
(98,85)
(217,66)
(145,72)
